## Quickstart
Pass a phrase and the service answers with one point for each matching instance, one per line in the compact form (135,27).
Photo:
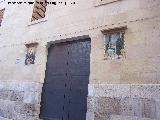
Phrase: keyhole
(63,108)
(64,96)
(68,52)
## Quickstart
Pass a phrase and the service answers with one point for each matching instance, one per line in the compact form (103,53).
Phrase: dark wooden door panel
(65,90)
(56,63)
(79,54)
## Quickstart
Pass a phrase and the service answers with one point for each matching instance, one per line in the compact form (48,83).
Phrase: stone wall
(125,89)
(20,86)
(123,102)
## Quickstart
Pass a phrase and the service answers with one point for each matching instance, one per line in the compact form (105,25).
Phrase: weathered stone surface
(145,91)
(101,116)
(108,105)
(21,86)
(120,107)
(157,103)
(25,117)
(89,116)
(32,97)
(91,104)
(5,94)
(126,106)
(7,109)
(110,90)
(119,117)
(17,96)
(2,118)
(11,95)
(136,107)
(27,109)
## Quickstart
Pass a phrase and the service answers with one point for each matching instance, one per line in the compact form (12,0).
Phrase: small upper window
(114,45)
(39,9)
(1,15)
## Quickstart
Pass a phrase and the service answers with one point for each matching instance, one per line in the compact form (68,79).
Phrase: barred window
(39,9)
(114,45)
(1,15)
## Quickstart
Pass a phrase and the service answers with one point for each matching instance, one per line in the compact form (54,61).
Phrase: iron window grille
(1,15)
(39,10)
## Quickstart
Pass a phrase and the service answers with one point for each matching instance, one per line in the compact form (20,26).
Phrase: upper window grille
(39,10)
(1,15)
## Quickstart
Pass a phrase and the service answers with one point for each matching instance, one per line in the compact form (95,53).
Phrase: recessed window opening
(114,45)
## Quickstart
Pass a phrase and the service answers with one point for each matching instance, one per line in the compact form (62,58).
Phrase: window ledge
(115,29)
(103,2)
(37,22)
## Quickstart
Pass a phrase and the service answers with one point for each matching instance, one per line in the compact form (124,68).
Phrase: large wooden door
(65,90)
